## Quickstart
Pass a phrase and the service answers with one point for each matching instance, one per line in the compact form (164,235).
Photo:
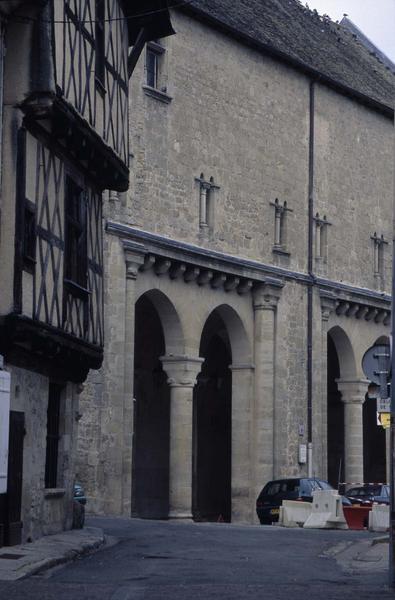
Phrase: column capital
(328,304)
(353,391)
(266,295)
(134,257)
(182,371)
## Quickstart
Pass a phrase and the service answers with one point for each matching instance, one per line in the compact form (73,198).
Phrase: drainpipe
(310,290)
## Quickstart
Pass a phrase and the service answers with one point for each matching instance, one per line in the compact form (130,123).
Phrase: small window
(52,451)
(280,225)
(207,191)
(99,42)
(29,236)
(76,260)
(153,66)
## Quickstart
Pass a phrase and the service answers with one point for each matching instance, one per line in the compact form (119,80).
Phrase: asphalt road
(178,561)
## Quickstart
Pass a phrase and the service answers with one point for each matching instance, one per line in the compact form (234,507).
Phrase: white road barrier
(294,513)
(379,517)
(327,511)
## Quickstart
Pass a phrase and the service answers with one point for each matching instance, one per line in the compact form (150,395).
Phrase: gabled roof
(292,32)
(373,49)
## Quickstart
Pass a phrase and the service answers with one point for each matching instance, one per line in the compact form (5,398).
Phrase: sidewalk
(17,562)
(369,555)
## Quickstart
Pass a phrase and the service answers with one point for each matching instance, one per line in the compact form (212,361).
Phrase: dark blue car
(296,488)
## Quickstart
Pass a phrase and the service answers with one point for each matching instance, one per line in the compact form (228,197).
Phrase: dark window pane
(152,66)
(29,234)
(51,460)
(76,239)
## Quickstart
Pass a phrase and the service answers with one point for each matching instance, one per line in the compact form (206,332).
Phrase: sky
(376,18)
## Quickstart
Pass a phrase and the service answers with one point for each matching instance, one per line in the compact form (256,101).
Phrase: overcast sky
(376,18)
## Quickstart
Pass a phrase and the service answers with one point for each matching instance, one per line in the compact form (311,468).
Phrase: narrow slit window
(53,422)
(76,267)
(29,235)
(280,225)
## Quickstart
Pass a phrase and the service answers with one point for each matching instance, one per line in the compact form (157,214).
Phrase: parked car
(296,488)
(368,493)
(79,493)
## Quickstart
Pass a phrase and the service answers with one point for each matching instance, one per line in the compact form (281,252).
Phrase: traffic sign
(376,365)
(383,405)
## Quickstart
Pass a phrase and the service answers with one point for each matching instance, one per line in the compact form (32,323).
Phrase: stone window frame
(156,87)
(379,243)
(54,433)
(207,201)
(321,238)
(280,226)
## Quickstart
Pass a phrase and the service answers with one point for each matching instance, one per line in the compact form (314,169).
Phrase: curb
(68,556)
(51,551)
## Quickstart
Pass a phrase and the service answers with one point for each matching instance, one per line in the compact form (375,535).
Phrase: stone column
(182,372)
(134,258)
(353,395)
(242,401)
(328,305)
(265,299)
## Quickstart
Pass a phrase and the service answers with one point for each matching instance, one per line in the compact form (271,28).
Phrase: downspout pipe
(310,284)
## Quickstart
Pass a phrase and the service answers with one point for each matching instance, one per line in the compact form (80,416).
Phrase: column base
(180,514)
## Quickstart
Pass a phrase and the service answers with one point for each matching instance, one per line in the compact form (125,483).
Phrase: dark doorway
(212,435)
(335,419)
(374,448)
(150,472)
(11,502)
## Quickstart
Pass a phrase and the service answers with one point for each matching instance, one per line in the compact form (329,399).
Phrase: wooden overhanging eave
(55,350)
(78,139)
(151,15)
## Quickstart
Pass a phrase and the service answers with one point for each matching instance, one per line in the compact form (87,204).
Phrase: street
(164,559)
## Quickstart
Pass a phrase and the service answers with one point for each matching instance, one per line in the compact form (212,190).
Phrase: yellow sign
(384,419)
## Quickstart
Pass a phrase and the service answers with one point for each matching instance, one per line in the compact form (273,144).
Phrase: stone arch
(345,352)
(158,332)
(374,437)
(170,321)
(239,342)
(341,366)
(219,398)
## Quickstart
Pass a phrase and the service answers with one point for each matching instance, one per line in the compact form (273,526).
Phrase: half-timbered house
(65,141)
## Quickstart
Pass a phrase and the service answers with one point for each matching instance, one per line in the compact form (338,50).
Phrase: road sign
(383,405)
(384,419)
(376,366)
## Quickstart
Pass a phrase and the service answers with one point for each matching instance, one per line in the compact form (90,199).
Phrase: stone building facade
(249,267)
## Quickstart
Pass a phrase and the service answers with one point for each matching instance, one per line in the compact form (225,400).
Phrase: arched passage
(157,331)
(341,365)
(223,341)
(374,441)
